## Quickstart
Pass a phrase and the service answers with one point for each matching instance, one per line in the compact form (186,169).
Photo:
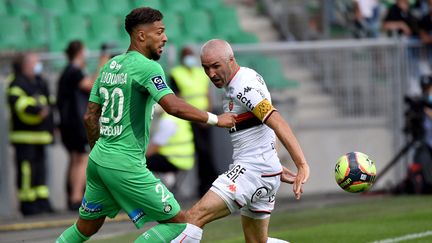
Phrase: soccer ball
(355,172)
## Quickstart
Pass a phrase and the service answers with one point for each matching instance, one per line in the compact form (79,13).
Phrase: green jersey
(127,88)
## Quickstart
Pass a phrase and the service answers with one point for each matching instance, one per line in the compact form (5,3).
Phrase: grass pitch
(370,219)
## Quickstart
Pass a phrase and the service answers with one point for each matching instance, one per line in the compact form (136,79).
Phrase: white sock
(274,240)
(191,234)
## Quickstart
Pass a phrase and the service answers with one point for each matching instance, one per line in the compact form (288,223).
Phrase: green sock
(161,233)
(72,235)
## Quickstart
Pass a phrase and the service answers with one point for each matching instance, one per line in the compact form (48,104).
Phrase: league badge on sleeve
(158,82)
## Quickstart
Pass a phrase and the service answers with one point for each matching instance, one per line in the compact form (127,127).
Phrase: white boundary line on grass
(405,237)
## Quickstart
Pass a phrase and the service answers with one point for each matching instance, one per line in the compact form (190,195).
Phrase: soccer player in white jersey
(251,183)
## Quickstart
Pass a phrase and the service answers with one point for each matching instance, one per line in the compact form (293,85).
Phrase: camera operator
(419,127)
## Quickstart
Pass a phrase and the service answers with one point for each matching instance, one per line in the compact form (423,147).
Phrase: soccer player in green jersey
(117,121)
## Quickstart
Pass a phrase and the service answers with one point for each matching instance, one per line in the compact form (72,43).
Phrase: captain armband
(263,110)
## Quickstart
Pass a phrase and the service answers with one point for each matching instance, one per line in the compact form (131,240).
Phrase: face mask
(190,61)
(38,68)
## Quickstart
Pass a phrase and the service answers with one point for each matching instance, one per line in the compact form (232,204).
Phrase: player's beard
(154,54)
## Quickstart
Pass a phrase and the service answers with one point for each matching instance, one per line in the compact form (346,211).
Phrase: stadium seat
(208,5)
(84,7)
(225,21)
(173,28)
(104,28)
(243,37)
(120,8)
(156,4)
(178,6)
(72,27)
(22,7)
(3,8)
(272,72)
(12,33)
(40,29)
(55,7)
(197,25)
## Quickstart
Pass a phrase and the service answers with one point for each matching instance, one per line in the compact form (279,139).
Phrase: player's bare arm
(286,136)
(91,122)
(179,108)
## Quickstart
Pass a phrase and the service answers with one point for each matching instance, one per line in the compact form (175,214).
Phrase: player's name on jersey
(111,130)
(113,78)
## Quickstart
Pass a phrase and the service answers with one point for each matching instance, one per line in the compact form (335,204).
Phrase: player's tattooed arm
(91,121)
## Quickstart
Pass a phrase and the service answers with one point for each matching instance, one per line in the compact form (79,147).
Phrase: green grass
(367,220)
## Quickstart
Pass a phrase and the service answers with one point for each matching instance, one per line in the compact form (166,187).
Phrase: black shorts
(74,139)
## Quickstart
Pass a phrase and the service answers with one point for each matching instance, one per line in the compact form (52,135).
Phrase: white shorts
(250,191)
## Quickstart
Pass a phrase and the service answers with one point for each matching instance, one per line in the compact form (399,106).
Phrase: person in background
(399,21)
(367,18)
(171,148)
(425,26)
(31,131)
(190,82)
(73,92)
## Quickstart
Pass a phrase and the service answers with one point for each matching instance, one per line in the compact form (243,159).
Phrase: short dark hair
(73,49)
(144,15)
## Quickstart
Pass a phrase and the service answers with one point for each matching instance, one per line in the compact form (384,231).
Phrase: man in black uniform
(425,26)
(31,131)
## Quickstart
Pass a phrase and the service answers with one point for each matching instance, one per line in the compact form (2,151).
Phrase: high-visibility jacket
(193,85)
(180,149)
(26,99)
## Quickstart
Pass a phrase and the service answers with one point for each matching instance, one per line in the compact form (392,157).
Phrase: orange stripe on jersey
(244,116)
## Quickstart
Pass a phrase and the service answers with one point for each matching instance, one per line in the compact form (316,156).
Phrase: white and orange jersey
(254,143)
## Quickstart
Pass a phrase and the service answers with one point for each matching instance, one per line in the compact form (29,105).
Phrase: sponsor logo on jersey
(136,215)
(259,193)
(235,172)
(243,99)
(158,82)
(246,89)
(90,207)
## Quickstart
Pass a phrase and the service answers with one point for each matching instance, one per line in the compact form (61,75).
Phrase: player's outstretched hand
(226,120)
(301,178)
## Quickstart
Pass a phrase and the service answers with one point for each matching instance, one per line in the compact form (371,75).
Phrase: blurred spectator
(172,146)
(31,130)
(367,18)
(425,26)
(399,20)
(420,8)
(192,84)
(73,92)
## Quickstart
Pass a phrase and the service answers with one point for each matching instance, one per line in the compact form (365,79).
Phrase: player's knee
(89,227)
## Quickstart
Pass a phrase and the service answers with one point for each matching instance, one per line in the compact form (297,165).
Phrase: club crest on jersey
(231,105)
(158,82)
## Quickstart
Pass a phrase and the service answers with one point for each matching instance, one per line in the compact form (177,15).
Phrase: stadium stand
(12,33)
(84,7)
(51,24)
(55,7)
